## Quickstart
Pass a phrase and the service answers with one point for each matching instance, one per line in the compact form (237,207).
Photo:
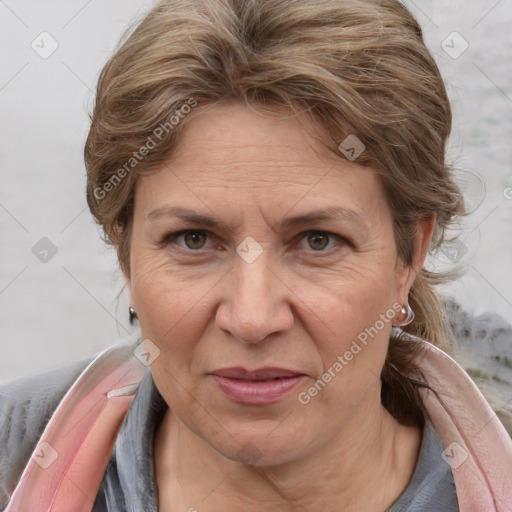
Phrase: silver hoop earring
(132,315)
(409,318)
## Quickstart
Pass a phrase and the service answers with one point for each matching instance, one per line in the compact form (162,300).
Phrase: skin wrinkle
(289,307)
(355,234)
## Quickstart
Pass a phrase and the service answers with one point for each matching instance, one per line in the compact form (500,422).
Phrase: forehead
(233,156)
(247,138)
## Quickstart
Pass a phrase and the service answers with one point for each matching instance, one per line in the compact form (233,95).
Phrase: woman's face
(258,284)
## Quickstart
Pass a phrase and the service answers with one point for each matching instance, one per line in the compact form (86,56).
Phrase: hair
(351,67)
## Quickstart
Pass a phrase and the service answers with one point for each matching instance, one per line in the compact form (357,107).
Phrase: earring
(409,318)
(132,314)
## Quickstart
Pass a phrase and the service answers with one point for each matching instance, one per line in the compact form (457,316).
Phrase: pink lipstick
(258,387)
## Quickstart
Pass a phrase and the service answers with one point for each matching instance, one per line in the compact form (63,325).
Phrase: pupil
(193,238)
(317,237)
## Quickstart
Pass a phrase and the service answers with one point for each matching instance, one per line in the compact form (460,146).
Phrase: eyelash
(171,237)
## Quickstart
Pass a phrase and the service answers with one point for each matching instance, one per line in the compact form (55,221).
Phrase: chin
(266,447)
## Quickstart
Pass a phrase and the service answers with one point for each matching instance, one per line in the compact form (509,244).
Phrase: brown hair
(352,67)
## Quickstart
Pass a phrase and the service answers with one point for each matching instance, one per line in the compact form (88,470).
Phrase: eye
(194,239)
(319,240)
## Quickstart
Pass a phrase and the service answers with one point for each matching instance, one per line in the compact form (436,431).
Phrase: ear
(407,273)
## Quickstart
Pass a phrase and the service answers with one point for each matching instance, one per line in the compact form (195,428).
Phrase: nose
(255,302)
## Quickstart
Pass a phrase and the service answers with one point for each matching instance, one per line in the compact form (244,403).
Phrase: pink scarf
(66,468)
(478,448)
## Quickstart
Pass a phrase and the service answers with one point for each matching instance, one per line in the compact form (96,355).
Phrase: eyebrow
(323,214)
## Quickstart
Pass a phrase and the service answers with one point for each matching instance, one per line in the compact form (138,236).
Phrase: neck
(366,466)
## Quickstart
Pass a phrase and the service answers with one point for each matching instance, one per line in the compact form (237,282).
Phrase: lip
(258,387)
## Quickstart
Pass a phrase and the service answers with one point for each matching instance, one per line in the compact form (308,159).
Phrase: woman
(272,176)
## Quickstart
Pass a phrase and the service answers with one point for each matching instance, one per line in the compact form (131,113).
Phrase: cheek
(349,302)
(353,320)
(165,292)
(352,354)
(171,307)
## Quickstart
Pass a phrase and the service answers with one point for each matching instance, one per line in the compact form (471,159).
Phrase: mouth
(257,387)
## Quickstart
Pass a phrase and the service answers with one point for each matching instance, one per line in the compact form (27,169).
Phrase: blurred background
(62,297)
